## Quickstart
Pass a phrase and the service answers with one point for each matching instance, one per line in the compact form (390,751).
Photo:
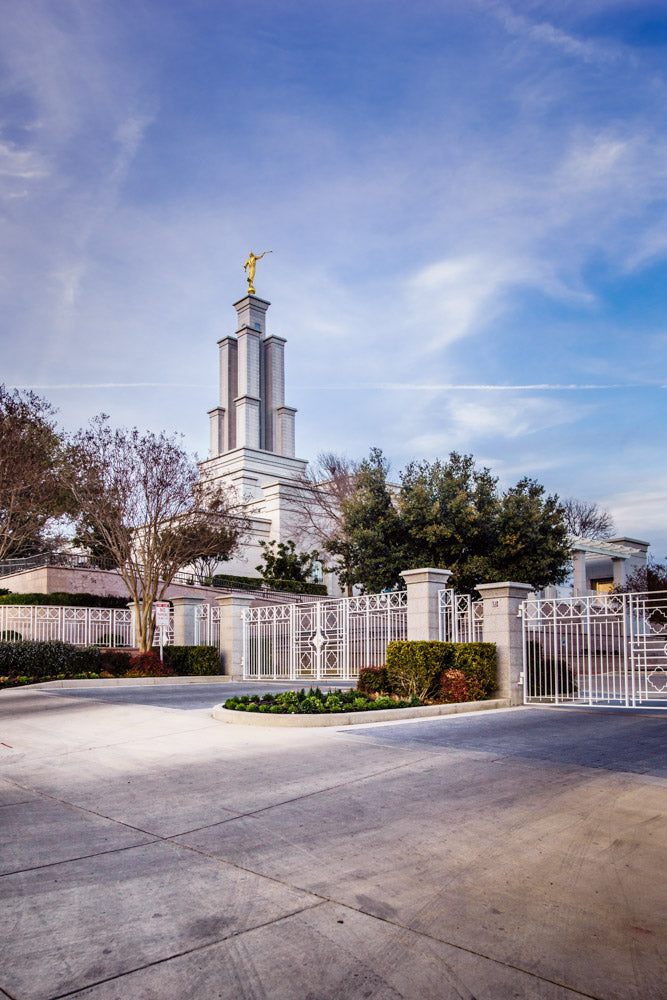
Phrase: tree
(31,494)
(452,515)
(456,518)
(585,519)
(141,497)
(651,577)
(281,561)
(372,542)
(318,501)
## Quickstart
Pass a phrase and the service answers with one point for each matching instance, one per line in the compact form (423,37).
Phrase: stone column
(185,609)
(217,436)
(285,441)
(579,574)
(423,614)
(620,567)
(503,626)
(231,631)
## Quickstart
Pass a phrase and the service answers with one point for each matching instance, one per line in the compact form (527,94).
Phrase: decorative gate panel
(460,618)
(610,649)
(323,640)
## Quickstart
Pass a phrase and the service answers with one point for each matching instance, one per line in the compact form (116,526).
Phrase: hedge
(60,598)
(257,583)
(417,669)
(190,660)
(46,659)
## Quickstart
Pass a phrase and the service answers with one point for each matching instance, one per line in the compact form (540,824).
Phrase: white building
(252,440)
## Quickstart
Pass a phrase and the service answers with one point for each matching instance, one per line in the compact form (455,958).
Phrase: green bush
(185,661)
(60,598)
(256,582)
(372,680)
(415,669)
(46,659)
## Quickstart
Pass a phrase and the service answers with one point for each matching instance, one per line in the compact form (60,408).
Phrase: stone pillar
(423,614)
(134,608)
(273,389)
(231,631)
(285,442)
(503,626)
(579,574)
(218,442)
(185,609)
(229,389)
(620,571)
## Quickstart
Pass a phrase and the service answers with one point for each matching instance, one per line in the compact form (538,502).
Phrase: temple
(252,441)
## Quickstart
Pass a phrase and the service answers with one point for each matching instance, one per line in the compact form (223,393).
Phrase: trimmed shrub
(257,583)
(60,598)
(415,669)
(115,662)
(46,659)
(148,665)
(187,661)
(454,687)
(372,680)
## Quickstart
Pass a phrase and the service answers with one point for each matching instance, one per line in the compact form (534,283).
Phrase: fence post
(503,626)
(423,613)
(231,631)
(185,609)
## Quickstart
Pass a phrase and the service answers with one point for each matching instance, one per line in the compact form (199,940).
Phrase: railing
(324,639)
(112,627)
(607,649)
(72,560)
(207,625)
(460,618)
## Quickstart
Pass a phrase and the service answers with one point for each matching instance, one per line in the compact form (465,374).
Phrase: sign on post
(161,609)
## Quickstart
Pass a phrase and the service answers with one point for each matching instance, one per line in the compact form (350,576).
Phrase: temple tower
(252,412)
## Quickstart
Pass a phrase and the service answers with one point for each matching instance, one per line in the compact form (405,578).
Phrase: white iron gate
(609,649)
(78,626)
(323,640)
(460,618)
(207,625)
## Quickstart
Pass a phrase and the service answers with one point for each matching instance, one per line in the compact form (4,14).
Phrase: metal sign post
(161,620)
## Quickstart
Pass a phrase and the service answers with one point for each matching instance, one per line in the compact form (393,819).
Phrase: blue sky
(467,204)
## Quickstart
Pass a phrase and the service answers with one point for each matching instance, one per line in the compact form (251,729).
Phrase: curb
(102,682)
(234,718)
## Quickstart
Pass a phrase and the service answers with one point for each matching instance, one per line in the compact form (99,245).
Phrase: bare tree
(586,519)
(141,495)
(31,496)
(318,501)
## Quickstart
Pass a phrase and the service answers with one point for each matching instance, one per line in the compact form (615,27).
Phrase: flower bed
(315,702)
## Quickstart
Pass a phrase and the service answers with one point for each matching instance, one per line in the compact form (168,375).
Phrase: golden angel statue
(250,266)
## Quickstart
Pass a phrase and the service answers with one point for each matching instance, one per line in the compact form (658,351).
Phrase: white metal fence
(610,649)
(207,625)
(460,618)
(323,640)
(112,627)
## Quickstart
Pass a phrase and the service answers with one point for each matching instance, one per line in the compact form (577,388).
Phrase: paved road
(149,852)
(186,697)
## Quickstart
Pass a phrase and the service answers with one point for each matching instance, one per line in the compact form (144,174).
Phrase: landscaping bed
(315,701)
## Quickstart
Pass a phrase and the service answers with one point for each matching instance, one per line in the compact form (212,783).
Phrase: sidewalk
(150,852)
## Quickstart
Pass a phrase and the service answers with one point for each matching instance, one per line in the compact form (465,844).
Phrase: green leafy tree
(371,550)
(452,515)
(281,561)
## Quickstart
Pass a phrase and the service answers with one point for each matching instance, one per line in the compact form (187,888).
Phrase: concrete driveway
(152,852)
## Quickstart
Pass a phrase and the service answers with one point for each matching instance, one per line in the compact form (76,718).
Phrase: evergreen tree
(373,552)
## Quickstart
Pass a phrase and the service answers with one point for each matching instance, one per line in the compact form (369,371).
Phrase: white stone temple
(252,444)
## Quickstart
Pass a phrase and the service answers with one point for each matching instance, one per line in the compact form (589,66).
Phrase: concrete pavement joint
(188,951)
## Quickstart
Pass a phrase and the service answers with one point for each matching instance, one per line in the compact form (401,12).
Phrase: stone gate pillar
(503,626)
(423,615)
(185,611)
(231,631)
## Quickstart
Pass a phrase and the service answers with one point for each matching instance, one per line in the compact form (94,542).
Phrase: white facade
(252,440)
